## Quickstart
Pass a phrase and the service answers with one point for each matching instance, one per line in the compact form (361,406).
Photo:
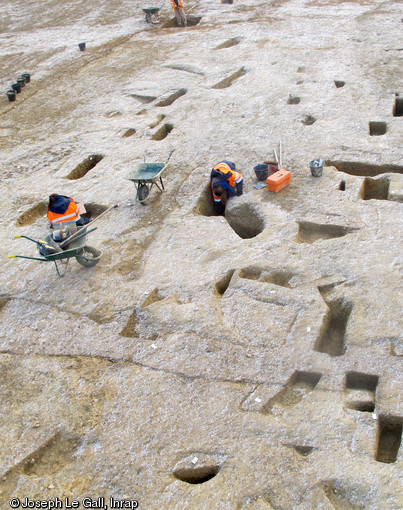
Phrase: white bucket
(316,167)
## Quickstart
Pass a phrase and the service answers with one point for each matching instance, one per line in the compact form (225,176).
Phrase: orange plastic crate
(278,180)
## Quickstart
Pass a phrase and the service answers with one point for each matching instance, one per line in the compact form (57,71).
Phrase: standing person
(180,15)
(225,182)
(62,209)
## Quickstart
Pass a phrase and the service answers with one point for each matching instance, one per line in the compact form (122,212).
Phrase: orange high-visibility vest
(70,214)
(233,177)
(174,6)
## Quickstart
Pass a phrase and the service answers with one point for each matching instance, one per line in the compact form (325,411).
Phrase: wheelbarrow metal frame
(74,251)
(142,180)
(152,12)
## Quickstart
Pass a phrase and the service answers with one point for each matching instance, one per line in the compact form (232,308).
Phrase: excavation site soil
(250,360)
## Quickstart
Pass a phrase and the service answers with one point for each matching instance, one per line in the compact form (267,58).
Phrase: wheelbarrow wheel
(88,256)
(143,192)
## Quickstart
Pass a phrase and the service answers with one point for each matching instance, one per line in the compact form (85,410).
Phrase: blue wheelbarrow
(145,176)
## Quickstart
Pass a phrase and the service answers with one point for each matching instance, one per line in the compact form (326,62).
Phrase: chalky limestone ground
(257,354)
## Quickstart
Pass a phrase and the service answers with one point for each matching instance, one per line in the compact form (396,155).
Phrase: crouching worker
(225,182)
(62,209)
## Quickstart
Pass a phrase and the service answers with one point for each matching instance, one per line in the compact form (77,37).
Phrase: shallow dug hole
(280,277)
(227,82)
(205,204)
(32,214)
(196,475)
(389,438)
(309,232)
(94,210)
(363,169)
(190,19)
(375,189)
(244,219)
(85,166)
(229,43)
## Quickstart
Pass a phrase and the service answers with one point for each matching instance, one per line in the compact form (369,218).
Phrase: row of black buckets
(17,86)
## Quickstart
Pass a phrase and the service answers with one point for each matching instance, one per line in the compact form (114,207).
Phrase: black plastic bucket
(27,77)
(21,81)
(11,95)
(16,87)
(262,172)
(81,45)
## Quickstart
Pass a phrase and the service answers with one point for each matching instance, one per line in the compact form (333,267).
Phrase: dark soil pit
(398,107)
(163,132)
(245,220)
(227,82)
(332,337)
(363,169)
(170,98)
(339,84)
(205,204)
(229,43)
(299,385)
(191,21)
(308,120)
(196,475)
(375,189)
(389,438)
(32,214)
(3,302)
(377,128)
(309,232)
(158,121)
(94,210)
(84,167)
(143,98)
(223,284)
(359,391)
(129,132)
(304,451)
(153,297)
(129,330)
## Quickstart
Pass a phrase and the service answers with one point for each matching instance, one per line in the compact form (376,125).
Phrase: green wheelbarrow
(145,176)
(152,14)
(73,246)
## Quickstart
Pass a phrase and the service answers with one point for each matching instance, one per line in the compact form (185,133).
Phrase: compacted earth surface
(245,361)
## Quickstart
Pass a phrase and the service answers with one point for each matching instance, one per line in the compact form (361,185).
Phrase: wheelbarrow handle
(76,236)
(169,156)
(25,237)
(23,257)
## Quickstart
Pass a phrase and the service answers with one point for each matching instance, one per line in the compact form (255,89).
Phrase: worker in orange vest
(225,182)
(62,209)
(177,6)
